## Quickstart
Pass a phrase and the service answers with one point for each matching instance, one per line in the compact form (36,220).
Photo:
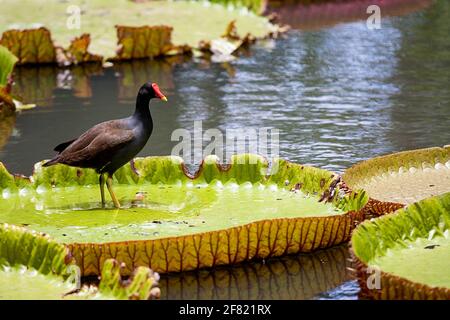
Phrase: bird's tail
(51,162)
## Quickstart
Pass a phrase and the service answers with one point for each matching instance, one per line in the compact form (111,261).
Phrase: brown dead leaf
(30,45)
(78,50)
(7,106)
(231,31)
(143,42)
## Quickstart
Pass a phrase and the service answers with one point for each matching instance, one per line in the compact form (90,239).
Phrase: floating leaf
(32,266)
(174,221)
(30,46)
(408,251)
(399,179)
(7,62)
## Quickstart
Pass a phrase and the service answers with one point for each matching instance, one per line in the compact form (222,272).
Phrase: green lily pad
(173,221)
(399,179)
(32,266)
(409,249)
(7,62)
(99,18)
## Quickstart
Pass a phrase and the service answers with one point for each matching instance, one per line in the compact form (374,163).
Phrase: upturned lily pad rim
(364,246)
(385,163)
(40,252)
(259,239)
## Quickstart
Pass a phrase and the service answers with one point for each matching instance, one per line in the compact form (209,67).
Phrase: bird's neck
(142,112)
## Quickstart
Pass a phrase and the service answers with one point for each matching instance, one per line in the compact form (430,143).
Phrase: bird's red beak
(158,92)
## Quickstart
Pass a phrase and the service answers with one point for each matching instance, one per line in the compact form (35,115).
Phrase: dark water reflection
(304,276)
(337,95)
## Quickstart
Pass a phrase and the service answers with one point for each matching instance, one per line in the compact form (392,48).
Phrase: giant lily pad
(32,266)
(99,17)
(409,252)
(398,179)
(30,46)
(143,42)
(174,221)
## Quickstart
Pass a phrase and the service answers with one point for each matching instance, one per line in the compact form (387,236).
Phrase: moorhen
(109,145)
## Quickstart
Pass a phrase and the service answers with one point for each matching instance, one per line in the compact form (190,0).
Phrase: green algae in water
(74,214)
(424,261)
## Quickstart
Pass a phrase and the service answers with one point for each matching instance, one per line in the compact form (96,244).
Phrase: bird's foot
(116,203)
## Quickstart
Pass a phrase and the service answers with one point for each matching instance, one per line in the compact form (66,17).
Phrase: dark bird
(109,145)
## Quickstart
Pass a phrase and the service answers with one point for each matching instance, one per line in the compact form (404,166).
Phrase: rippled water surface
(338,95)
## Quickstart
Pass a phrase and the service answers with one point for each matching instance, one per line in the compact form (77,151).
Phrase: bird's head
(151,90)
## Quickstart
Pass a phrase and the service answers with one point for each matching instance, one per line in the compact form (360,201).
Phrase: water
(338,95)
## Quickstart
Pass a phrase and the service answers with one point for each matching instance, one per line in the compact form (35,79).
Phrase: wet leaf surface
(219,215)
(399,247)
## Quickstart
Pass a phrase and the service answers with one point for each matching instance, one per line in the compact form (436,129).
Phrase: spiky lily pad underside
(173,221)
(408,249)
(398,179)
(32,266)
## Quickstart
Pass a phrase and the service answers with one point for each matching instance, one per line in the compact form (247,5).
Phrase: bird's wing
(97,150)
(88,137)
(62,146)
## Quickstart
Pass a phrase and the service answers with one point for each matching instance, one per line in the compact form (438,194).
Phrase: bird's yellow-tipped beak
(163,98)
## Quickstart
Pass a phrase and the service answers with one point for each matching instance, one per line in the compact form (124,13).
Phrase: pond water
(338,95)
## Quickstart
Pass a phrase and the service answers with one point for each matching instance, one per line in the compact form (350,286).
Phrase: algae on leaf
(410,248)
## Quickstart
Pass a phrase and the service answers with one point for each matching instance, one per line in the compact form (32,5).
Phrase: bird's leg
(109,181)
(102,188)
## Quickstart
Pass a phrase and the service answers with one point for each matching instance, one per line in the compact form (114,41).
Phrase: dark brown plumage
(109,145)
